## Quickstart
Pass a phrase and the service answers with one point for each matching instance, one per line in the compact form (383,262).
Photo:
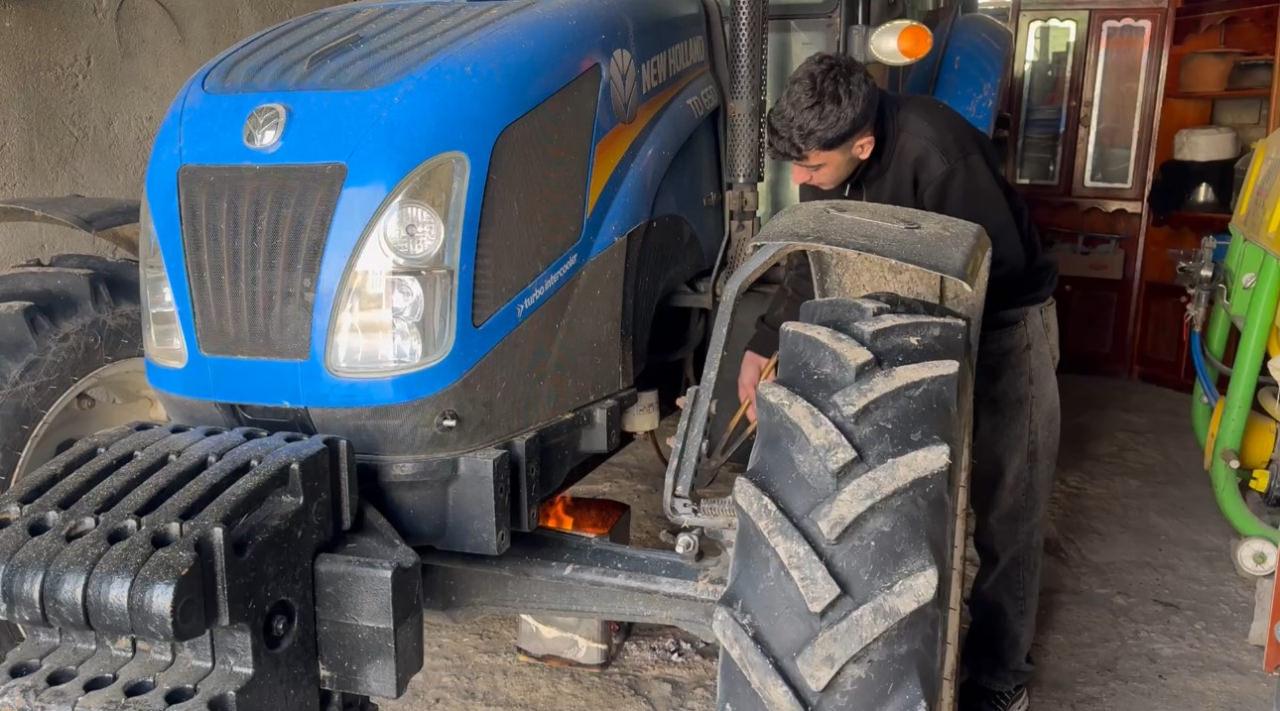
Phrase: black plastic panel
(535,196)
(253,238)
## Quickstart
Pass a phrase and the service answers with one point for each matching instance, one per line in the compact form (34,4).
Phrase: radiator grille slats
(253,238)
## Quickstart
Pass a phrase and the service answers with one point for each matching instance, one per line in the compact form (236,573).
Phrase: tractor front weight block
(202,568)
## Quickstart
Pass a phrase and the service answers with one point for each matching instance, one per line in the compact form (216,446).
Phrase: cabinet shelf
(1208,221)
(1216,95)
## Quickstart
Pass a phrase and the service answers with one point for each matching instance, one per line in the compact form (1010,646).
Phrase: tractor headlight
(395,309)
(162,338)
(413,231)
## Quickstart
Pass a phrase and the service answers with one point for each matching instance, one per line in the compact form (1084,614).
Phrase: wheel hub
(115,394)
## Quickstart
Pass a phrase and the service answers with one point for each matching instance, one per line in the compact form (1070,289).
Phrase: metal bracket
(549,573)
(369,611)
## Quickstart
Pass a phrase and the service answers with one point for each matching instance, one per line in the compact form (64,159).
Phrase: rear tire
(837,593)
(59,323)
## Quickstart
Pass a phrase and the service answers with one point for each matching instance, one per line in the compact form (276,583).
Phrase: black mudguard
(839,236)
(110,219)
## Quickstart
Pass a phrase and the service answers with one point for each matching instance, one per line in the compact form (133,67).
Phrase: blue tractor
(407,271)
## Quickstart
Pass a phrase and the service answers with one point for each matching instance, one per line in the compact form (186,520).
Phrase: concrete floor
(1141,607)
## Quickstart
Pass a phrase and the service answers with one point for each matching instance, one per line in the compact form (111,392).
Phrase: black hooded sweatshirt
(928,157)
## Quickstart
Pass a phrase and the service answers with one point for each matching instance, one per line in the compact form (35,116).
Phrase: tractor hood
(353,48)
(309,128)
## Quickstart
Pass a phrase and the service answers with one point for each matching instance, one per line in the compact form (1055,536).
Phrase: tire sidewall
(67,358)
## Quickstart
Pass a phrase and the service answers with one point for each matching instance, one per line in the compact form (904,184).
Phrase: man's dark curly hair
(829,99)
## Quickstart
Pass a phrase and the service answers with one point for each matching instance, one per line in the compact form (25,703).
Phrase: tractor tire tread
(59,321)
(834,597)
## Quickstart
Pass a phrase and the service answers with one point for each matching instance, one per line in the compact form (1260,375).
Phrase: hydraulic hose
(1224,369)
(1215,345)
(1202,372)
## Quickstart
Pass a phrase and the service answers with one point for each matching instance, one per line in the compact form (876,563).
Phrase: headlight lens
(413,231)
(395,310)
(162,338)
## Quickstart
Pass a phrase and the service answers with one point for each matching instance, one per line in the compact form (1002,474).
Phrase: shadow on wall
(86,84)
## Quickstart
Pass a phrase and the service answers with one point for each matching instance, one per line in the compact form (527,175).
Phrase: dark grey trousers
(1015,450)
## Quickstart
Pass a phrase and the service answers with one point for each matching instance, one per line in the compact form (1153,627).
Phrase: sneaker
(978,698)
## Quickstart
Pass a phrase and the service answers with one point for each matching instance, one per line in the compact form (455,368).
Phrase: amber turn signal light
(900,42)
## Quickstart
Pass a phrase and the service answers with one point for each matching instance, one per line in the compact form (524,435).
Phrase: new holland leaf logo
(623,87)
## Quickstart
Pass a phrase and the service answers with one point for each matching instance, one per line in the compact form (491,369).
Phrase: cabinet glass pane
(1046,86)
(1112,154)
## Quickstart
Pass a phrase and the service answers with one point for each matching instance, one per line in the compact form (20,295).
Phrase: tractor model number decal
(547,285)
(704,102)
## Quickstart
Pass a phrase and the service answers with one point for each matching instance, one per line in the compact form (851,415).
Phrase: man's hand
(753,365)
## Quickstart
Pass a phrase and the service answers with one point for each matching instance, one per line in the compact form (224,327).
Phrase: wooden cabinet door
(1116,110)
(1162,348)
(1049,66)
(1093,317)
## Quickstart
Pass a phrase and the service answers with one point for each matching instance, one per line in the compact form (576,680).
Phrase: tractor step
(195,568)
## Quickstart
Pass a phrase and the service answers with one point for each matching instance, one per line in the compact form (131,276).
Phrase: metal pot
(1252,73)
(1203,199)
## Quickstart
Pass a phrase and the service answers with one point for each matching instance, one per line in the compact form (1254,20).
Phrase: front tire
(837,593)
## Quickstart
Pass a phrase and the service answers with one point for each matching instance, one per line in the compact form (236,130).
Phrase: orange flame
(555,514)
(596,517)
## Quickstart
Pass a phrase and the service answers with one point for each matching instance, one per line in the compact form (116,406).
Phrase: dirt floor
(1141,609)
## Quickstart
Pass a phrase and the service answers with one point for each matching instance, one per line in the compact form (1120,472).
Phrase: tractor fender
(953,249)
(854,248)
(112,220)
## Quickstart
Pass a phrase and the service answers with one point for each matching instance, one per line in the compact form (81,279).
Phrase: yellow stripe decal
(1251,181)
(614,145)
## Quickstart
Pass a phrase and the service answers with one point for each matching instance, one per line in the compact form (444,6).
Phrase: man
(847,139)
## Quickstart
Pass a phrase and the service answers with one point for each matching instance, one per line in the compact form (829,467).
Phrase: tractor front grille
(253,238)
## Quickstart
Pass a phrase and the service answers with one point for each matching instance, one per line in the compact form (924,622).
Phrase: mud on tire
(837,591)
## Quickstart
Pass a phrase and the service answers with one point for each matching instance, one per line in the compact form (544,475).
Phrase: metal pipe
(1225,369)
(746,91)
(1239,400)
(566,575)
(744,169)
